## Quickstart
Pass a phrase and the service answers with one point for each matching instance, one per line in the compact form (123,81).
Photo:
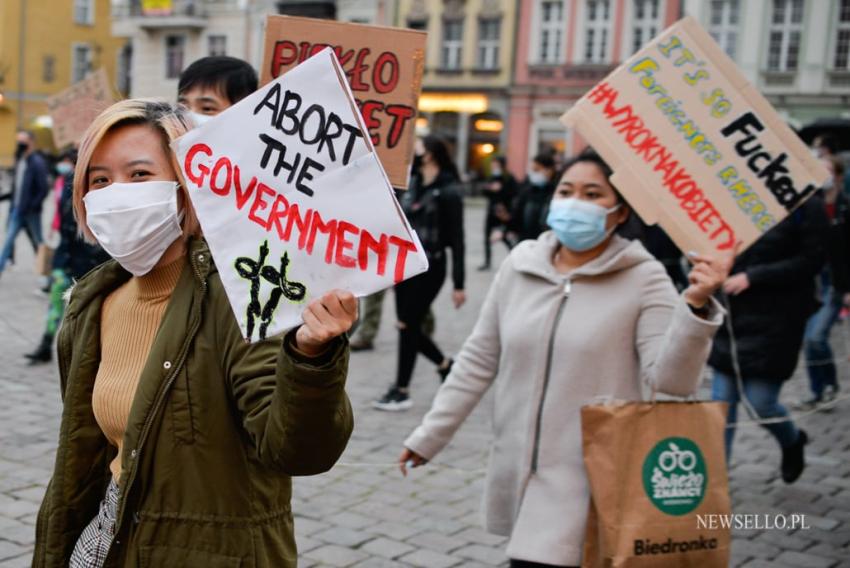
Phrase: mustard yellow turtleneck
(129,321)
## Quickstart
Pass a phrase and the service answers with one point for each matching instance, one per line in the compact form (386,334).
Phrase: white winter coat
(550,343)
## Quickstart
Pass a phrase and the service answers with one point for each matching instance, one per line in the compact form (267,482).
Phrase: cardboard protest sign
(384,68)
(293,200)
(76,107)
(693,145)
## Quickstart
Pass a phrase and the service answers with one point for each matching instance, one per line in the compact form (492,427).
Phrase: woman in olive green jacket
(178,438)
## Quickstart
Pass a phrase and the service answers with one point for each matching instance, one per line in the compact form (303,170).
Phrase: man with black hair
(212,84)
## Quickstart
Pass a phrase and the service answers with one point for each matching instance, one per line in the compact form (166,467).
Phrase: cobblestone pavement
(363,513)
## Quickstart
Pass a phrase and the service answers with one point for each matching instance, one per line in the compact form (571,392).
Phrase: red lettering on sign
(386,60)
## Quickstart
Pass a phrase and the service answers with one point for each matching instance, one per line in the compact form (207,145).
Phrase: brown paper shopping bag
(655,468)
(44,260)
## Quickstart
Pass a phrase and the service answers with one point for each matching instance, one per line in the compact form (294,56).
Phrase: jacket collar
(110,275)
(535,258)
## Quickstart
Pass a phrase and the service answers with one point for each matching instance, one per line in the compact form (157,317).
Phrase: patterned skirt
(93,544)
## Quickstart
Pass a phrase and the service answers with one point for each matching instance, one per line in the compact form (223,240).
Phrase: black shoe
(483,267)
(793,460)
(393,401)
(360,345)
(43,353)
(445,372)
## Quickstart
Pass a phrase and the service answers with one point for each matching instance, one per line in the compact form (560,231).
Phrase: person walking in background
(528,218)
(174,427)
(500,191)
(434,209)
(834,285)
(578,313)
(213,84)
(771,295)
(73,259)
(31,187)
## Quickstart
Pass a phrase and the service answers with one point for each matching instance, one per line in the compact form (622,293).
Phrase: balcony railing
(176,13)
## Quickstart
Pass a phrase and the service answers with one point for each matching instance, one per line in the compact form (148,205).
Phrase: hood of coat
(535,257)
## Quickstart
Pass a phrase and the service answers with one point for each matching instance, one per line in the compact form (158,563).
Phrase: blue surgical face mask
(579,225)
(64,168)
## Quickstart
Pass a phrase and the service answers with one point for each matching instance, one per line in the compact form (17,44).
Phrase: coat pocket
(182,416)
(178,557)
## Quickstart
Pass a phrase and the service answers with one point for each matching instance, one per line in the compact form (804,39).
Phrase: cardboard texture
(694,146)
(76,107)
(293,200)
(652,468)
(384,67)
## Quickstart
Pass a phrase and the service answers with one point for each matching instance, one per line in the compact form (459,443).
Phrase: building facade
(46,46)
(796,52)
(468,71)
(563,48)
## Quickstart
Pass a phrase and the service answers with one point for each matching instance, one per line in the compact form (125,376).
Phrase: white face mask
(200,119)
(134,222)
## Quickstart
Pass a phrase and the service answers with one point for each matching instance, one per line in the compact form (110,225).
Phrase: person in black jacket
(834,283)
(500,191)
(771,295)
(72,260)
(31,188)
(528,218)
(434,208)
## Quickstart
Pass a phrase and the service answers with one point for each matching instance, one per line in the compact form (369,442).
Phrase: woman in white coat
(576,314)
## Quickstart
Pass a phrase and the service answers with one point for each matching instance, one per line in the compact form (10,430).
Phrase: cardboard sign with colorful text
(293,200)
(76,107)
(694,147)
(384,68)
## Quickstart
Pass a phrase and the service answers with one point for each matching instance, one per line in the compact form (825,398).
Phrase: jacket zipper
(160,400)
(550,351)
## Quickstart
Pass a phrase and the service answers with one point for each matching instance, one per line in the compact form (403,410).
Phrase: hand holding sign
(294,203)
(707,276)
(324,319)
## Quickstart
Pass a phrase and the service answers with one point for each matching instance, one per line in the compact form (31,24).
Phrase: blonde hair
(170,121)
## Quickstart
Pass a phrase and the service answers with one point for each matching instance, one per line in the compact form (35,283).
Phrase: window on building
(723,25)
(84,12)
(124,67)
(551,31)
(489,32)
(217,44)
(597,30)
(786,24)
(647,22)
(175,52)
(48,73)
(81,59)
(842,38)
(452,44)
(421,25)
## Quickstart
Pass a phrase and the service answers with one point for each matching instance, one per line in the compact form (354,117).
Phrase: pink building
(563,48)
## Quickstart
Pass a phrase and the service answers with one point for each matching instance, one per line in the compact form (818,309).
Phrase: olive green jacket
(216,429)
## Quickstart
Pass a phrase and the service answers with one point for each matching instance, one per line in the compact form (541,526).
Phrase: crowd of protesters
(620,308)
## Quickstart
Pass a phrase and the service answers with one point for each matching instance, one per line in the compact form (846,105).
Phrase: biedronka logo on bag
(674,476)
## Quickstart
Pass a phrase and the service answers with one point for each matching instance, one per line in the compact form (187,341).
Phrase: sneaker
(808,404)
(360,345)
(829,393)
(445,372)
(793,459)
(393,401)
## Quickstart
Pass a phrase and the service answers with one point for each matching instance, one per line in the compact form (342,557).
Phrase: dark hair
(827,142)
(501,161)
(440,153)
(545,159)
(589,155)
(70,154)
(837,165)
(232,77)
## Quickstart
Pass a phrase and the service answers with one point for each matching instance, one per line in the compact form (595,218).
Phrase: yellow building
(468,70)
(45,46)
